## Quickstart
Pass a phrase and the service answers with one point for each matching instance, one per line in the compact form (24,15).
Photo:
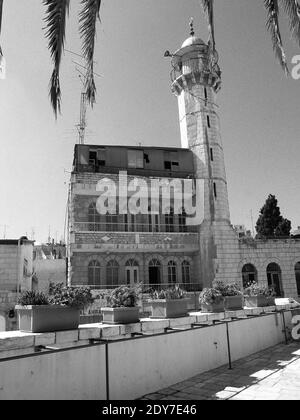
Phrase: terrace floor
(273,374)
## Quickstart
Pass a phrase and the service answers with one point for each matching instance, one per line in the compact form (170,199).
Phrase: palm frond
(208,7)
(56,16)
(292,9)
(272,8)
(1,10)
(89,15)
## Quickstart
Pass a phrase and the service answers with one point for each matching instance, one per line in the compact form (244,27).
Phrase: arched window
(154,272)
(274,278)
(249,274)
(186,272)
(94,273)
(169,220)
(172,272)
(132,271)
(94,218)
(112,273)
(297,274)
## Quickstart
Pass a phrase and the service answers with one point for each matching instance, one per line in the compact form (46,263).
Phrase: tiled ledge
(17,343)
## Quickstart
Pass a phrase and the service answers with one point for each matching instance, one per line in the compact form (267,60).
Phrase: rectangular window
(135,159)
(92,158)
(101,156)
(215,190)
(211,154)
(205,93)
(168,165)
(208,121)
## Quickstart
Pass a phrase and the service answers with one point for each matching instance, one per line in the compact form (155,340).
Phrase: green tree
(56,12)
(270,222)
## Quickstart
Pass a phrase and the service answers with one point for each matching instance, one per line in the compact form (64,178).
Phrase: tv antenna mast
(82,70)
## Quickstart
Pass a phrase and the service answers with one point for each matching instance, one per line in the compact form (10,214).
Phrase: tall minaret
(196,81)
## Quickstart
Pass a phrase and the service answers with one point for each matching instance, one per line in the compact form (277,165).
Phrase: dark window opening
(175,163)
(146,158)
(168,165)
(208,121)
(205,93)
(215,190)
(211,154)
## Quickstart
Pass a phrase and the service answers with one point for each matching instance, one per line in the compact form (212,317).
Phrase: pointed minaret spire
(192,32)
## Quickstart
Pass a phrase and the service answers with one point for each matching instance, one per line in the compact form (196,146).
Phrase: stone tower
(196,82)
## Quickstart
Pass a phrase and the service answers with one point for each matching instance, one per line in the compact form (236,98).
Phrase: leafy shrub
(231,289)
(210,296)
(33,297)
(255,290)
(78,297)
(123,297)
(171,293)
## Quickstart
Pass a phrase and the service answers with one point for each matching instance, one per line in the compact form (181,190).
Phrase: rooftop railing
(136,227)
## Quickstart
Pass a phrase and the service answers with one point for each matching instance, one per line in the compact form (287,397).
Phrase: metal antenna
(4,230)
(81,127)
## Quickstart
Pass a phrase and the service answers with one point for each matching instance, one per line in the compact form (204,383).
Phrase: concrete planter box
(271,301)
(256,301)
(234,303)
(213,307)
(120,315)
(168,308)
(47,318)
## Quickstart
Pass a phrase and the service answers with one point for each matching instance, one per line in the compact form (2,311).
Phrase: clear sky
(259,107)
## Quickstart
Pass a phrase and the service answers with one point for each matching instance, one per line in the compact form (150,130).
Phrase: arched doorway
(297,274)
(132,272)
(154,272)
(274,278)
(249,274)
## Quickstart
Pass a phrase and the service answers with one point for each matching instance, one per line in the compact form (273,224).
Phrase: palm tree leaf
(292,9)
(208,7)
(56,16)
(1,10)
(89,15)
(273,26)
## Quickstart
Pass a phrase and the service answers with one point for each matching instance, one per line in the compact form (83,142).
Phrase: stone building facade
(15,276)
(166,249)
(126,249)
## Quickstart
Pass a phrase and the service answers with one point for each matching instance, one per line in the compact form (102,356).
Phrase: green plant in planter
(122,306)
(171,293)
(33,297)
(255,290)
(75,297)
(57,311)
(210,296)
(231,289)
(123,297)
(259,296)
(169,303)
(211,300)
(233,297)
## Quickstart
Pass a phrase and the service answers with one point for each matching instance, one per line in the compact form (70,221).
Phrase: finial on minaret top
(192,32)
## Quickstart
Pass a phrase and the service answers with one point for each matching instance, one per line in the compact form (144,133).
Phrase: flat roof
(177,149)
(23,241)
